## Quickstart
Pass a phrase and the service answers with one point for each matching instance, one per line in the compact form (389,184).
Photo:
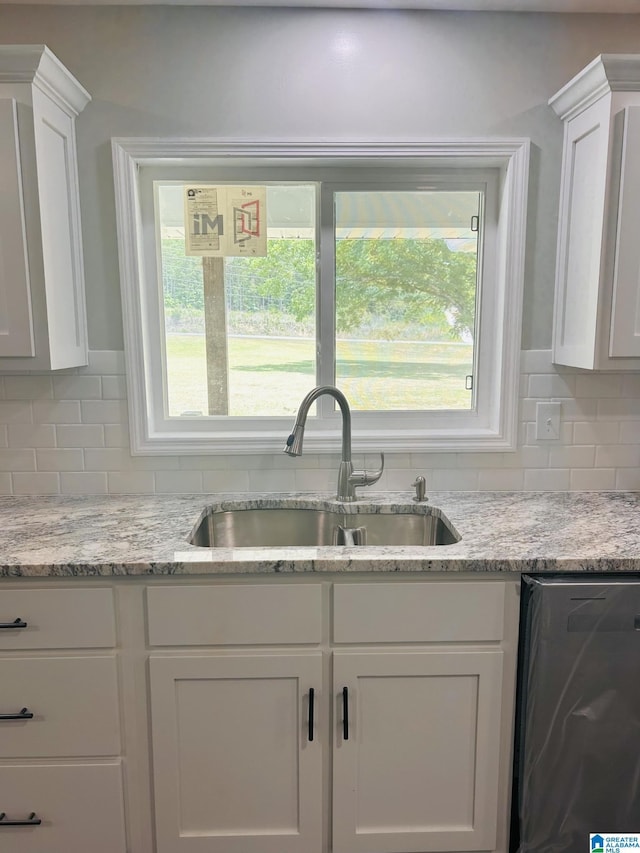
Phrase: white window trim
(151,435)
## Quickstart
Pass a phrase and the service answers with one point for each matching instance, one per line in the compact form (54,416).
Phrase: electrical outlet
(548,421)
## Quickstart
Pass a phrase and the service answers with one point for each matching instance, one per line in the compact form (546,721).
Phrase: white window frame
(491,425)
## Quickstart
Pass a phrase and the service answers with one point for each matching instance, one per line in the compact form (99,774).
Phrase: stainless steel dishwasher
(577,755)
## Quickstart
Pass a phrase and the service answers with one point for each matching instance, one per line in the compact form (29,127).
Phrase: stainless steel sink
(287,527)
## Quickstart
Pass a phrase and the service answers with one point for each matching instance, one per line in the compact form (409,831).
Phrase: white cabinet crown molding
(35,63)
(609,72)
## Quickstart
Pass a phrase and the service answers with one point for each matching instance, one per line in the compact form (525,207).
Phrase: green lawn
(271,376)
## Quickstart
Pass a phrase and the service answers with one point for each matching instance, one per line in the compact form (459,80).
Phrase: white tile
(116,435)
(225,481)
(17,460)
(593,479)
(500,480)
(618,456)
(130,482)
(55,459)
(630,432)
(272,481)
(628,479)
(16,413)
(6,486)
(315,480)
(114,388)
(119,459)
(449,480)
(178,482)
(528,457)
(599,385)
(31,435)
(77,387)
(103,411)
(1,387)
(105,362)
(35,484)
(83,483)
(596,432)
(395,480)
(549,385)
(3,435)
(577,456)
(214,462)
(56,412)
(579,409)
(80,435)
(536,361)
(618,409)
(631,385)
(546,480)
(27,387)
(435,460)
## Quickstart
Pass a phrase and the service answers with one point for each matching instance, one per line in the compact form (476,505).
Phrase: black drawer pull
(32,820)
(312,696)
(345,713)
(17,624)
(25,714)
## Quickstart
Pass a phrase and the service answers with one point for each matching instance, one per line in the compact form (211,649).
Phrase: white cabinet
(597,296)
(60,767)
(379,728)
(42,302)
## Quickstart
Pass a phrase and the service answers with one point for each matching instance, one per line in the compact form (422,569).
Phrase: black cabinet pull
(18,623)
(312,696)
(25,714)
(32,820)
(345,713)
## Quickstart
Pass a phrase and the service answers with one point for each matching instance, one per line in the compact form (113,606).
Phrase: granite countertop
(141,535)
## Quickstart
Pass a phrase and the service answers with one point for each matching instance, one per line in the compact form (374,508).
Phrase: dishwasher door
(577,757)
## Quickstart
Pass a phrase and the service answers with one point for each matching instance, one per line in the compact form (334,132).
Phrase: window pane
(406,295)
(240,331)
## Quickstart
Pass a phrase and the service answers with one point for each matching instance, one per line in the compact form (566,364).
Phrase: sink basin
(287,527)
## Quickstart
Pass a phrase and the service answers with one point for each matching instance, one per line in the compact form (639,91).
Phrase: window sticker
(225,221)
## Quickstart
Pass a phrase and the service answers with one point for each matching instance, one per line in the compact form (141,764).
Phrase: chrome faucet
(348,479)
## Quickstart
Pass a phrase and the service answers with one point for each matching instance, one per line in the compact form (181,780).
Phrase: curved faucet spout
(348,479)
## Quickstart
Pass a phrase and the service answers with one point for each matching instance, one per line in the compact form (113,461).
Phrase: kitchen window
(393,272)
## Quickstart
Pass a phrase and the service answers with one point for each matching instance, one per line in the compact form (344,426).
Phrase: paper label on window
(222,221)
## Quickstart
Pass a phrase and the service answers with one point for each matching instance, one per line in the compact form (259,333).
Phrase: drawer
(234,615)
(57,619)
(430,612)
(80,806)
(74,702)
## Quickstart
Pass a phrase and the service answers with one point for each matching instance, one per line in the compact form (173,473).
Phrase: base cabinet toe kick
(226,715)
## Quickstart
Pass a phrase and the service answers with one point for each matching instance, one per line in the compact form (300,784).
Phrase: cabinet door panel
(16,331)
(625,320)
(419,771)
(234,769)
(80,806)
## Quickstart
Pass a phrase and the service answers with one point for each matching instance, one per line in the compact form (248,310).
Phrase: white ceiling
(607,6)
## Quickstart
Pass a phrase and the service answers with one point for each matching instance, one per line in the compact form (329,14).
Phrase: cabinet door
(234,768)
(417,769)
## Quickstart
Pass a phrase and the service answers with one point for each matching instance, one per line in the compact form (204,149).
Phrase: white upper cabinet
(597,298)
(42,307)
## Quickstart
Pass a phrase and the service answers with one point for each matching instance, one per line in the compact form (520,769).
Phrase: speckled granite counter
(138,535)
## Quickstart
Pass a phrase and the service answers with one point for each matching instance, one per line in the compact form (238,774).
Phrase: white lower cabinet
(415,761)
(346,746)
(236,763)
(61,771)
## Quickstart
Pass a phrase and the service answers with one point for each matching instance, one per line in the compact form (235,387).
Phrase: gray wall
(315,74)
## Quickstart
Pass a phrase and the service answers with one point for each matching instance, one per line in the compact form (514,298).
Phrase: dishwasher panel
(577,757)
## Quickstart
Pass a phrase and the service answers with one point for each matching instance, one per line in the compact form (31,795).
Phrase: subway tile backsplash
(68,434)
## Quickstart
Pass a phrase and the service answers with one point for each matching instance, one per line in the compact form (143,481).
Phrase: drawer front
(57,619)
(234,615)
(80,806)
(418,612)
(74,702)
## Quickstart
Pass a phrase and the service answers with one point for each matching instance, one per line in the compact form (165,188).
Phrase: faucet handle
(367,478)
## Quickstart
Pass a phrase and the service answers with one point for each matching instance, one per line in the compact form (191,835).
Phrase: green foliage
(381,285)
